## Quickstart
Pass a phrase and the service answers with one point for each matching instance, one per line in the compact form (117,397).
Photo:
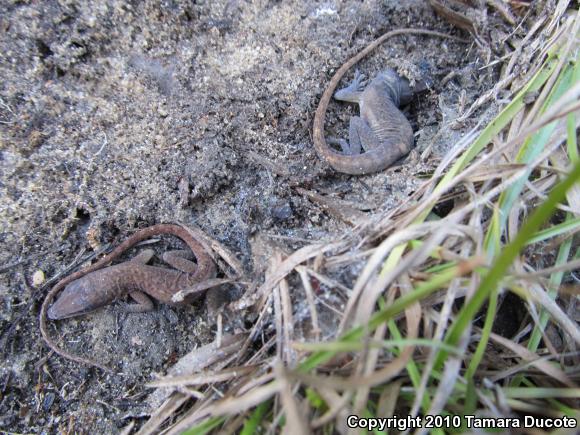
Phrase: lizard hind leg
(181,260)
(361,136)
(144,256)
(343,144)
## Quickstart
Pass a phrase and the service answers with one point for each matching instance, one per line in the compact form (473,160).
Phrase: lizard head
(78,297)
(397,86)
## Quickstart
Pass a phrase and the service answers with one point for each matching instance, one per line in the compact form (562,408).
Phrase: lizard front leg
(360,134)
(352,93)
(143,303)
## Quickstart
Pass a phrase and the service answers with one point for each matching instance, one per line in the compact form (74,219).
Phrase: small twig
(9,110)
(503,10)
(102,146)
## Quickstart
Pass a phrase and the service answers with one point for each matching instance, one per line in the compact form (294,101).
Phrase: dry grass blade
(443,318)
(449,381)
(556,312)
(342,210)
(368,364)
(202,378)
(336,409)
(289,264)
(229,406)
(289,356)
(310,298)
(329,282)
(195,361)
(566,267)
(278,321)
(372,292)
(388,400)
(373,264)
(296,421)
(535,360)
(162,413)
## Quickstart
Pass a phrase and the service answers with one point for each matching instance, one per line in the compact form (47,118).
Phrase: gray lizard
(390,148)
(381,128)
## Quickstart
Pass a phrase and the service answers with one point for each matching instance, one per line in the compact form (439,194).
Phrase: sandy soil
(116,116)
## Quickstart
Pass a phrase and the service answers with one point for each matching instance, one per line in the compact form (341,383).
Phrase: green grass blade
(205,427)
(251,424)
(485,333)
(353,346)
(572,143)
(570,225)
(412,369)
(555,281)
(528,152)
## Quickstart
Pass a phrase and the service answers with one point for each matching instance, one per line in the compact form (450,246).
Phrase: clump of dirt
(118,115)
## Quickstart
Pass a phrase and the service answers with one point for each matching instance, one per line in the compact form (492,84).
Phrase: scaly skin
(205,270)
(376,159)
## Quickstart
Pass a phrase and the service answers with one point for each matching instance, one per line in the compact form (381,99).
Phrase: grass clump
(416,336)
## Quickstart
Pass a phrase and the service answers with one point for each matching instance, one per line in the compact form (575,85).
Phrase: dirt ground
(116,116)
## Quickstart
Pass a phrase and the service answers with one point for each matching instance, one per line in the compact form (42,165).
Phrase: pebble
(38,278)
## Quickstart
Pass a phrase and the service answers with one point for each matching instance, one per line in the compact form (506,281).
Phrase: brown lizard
(391,136)
(98,285)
